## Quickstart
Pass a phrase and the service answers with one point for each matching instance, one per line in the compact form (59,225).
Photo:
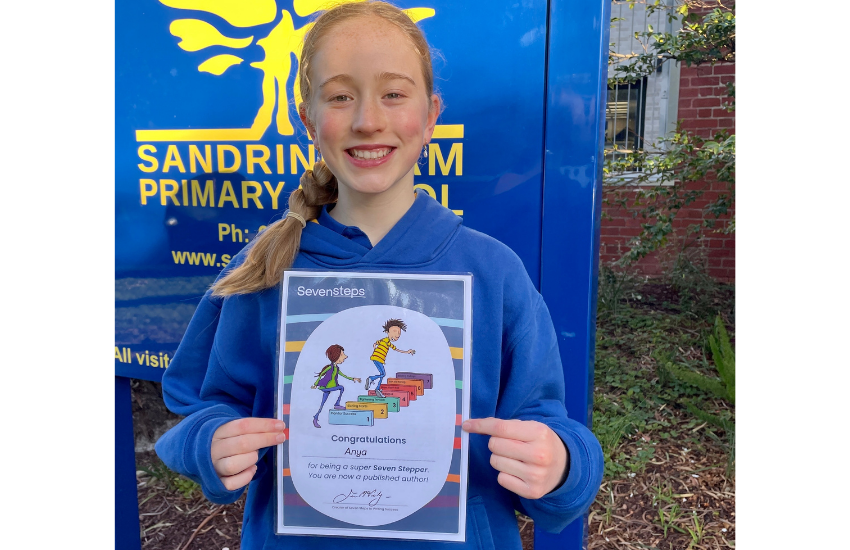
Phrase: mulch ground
(171,520)
(180,524)
(683,499)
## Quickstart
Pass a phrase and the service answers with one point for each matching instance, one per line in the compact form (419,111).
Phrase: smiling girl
(370,108)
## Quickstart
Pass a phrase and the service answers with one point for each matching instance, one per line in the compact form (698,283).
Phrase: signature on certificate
(372,498)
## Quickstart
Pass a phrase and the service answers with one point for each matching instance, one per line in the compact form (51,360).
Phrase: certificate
(373,384)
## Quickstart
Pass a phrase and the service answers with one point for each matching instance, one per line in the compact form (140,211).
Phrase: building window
(638,115)
(625,117)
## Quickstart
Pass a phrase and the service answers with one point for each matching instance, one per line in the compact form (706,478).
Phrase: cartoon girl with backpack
(327,379)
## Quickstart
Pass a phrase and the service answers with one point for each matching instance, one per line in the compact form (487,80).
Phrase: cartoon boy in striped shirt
(393,328)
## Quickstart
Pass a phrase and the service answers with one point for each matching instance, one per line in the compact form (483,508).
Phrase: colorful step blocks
(395,387)
(364,417)
(392,403)
(420,384)
(427,378)
(402,395)
(380,409)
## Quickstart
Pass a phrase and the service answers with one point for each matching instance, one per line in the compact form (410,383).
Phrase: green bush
(723,387)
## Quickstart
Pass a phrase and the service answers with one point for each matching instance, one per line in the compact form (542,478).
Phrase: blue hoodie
(224,370)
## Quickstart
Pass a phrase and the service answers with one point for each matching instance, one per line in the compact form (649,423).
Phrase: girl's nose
(369,118)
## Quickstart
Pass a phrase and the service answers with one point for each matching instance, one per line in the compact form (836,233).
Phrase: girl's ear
(433,112)
(302,114)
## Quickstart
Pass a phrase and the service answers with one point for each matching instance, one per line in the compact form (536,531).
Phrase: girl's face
(369,114)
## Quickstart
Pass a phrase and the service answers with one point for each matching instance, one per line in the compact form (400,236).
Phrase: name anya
(355,452)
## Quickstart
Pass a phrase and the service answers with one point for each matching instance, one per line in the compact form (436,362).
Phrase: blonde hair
(274,250)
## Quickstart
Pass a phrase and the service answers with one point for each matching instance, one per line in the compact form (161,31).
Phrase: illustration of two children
(327,380)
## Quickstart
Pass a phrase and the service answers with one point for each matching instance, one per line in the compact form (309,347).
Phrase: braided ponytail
(275,248)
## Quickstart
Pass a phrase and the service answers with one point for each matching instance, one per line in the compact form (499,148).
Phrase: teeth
(371,154)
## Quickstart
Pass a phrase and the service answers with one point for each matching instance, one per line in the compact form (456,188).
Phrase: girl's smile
(366,156)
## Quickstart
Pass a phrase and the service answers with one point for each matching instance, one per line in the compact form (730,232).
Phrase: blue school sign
(208,146)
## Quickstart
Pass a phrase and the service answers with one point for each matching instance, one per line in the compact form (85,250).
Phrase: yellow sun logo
(280,43)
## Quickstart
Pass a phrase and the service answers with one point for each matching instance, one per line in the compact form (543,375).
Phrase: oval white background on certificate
(427,424)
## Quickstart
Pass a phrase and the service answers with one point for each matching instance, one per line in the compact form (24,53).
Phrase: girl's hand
(235,445)
(411,351)
(356,380)
(531,458)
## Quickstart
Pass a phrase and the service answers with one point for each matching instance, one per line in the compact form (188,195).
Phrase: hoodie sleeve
(195,385)
(534,390)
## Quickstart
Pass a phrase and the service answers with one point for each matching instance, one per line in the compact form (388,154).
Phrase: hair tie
(298,217)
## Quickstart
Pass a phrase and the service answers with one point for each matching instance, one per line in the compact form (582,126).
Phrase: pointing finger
(508,429)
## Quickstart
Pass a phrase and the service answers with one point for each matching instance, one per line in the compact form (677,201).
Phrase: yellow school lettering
(172,158)
(170,193)
(195,158)
(227,195)
(147,188)
(435,156)
(221,151)
(444,198)
(203,193)
(227,158)
(296,156)
(147,358)
(280,165)
(253,159)
(143,155)
(255,195)
(208,194)
(230,229)
(274,193)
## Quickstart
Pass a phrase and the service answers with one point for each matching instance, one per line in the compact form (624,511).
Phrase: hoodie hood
(421,236)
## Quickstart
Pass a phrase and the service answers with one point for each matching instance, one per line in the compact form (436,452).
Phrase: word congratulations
(367,439)
(335,292)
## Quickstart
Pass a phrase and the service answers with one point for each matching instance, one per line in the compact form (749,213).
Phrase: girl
(328,379)
(370,108)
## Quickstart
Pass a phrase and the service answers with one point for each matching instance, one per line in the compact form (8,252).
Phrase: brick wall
(702,90)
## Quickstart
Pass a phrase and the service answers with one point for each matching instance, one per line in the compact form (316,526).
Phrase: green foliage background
(655,183)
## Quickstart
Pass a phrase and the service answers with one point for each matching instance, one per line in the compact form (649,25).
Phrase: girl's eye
(340,98)
(393,95)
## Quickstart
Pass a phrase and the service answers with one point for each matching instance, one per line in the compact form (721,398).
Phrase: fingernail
(280,426)
(281,438)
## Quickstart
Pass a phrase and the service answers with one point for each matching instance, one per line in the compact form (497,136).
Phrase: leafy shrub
(723,387)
